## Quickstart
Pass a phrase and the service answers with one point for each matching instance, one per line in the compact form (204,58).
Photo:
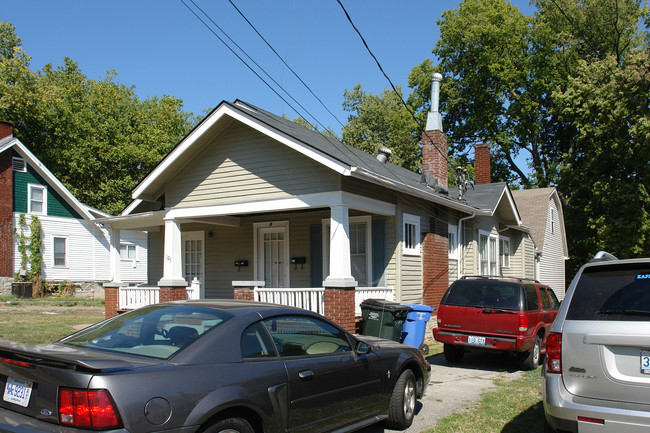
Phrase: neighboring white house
(75,247)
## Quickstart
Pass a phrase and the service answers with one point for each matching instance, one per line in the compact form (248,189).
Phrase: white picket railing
(313,299)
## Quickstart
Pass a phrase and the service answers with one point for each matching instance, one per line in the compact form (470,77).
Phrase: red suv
(496,314)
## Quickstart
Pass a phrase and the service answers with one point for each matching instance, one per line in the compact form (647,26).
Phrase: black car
(210,366)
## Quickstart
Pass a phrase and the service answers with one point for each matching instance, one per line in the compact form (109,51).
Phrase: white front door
(193,258)
(272,263)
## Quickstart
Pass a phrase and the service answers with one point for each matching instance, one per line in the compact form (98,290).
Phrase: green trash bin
(382,318)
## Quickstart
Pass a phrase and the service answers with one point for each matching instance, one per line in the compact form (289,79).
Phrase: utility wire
(388,79)
(247,65)
(285,63)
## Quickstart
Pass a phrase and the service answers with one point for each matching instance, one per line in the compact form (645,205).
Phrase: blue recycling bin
(415,325)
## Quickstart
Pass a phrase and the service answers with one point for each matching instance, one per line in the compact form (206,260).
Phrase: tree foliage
(97,137)
(566,88)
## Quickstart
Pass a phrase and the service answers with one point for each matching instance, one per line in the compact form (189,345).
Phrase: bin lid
(419,307)
(384,305)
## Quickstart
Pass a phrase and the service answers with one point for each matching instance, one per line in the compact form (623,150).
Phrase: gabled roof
(343,159)
(533,205)
(85,211)
(497,199)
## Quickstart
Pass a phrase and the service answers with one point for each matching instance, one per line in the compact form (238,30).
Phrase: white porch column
(340,267)
(173,256)
(116,272)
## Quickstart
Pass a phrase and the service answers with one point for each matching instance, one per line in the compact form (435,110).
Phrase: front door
(272,256)
(193,260)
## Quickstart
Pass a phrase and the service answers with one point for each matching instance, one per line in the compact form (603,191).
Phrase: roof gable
(495,198)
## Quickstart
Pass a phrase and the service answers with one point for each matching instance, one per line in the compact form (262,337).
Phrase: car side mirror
(362,348)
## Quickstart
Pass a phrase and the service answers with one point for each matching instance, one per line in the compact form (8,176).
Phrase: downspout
(460,243)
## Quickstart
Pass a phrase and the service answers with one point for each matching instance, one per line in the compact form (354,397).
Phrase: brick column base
(111,300)
(339,306)
(173,293)
(245,290)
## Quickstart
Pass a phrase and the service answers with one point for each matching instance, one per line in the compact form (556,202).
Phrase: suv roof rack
(494,277)
(603,256)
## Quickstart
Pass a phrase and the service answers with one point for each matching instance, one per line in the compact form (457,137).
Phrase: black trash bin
(21,289)
(382,318)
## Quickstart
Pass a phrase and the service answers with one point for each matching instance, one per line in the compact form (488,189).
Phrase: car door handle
(306,374)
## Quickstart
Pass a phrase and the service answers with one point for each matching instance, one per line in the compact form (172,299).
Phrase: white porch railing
(136,297)
(314,298)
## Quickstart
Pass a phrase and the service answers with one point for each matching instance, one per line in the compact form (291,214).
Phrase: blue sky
(161,48)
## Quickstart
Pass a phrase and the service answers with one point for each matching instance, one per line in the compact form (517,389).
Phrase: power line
(285,63)
(246,64)
(388,79)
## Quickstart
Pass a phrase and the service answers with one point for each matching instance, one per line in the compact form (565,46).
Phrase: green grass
(50,300)
(43,325)
(514,407)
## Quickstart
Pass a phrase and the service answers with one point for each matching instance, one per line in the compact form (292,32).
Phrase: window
(127,252)
(255,343)
(360,249)
(18,164)
(411,235)
(37,199)
(552,220)
(305,336)
(504,252)
(452,240)
(487,246)
(59,251)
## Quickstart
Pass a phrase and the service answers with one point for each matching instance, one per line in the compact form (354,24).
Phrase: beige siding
(517,253)
(410,266)
(551,265)
(243,163)
(453,270)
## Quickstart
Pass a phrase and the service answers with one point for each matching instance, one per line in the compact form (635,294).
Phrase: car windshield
(156,331)
(483,294)
(612,292)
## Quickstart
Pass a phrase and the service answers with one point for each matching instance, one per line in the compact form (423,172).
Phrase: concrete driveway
(454,388)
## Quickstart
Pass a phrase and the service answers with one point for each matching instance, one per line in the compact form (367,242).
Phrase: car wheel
(230,425)
(530,360)
(453,353)
(401,409)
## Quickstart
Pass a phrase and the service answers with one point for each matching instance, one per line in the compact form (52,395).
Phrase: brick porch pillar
(339,306)
(111,299)
(245,290)
(173,293)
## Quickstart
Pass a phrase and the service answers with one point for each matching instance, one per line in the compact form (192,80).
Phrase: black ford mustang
(210,366)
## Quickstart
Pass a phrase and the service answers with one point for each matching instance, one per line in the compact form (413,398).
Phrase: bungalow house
(75,248)
(250,199)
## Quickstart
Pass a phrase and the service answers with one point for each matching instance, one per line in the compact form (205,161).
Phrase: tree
(97,137)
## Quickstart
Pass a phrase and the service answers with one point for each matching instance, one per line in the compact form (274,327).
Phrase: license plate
(645,362)
(476,340)
(17,391)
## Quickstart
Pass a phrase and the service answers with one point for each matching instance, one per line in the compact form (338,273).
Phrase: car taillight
(439,317)
(523,323)
(554,353)
(92,408)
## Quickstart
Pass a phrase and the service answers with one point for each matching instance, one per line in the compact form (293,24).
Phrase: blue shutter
(316,255)
(378,253)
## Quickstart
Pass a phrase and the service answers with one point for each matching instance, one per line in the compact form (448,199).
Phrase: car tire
(530,360)
(452,353)
(230,425)
(401,409)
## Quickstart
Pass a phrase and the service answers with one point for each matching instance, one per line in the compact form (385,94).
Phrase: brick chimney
(434,141)
(6,206)
(482,168)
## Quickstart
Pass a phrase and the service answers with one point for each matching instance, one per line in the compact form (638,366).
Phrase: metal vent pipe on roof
(383,154)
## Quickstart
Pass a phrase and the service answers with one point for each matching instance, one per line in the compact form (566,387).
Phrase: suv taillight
(93,408)
(554,353)
(523,323)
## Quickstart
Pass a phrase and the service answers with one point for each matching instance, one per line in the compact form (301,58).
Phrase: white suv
(597,372)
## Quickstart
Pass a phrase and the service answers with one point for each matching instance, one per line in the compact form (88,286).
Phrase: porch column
(340,285)
(173,256)
(116,272)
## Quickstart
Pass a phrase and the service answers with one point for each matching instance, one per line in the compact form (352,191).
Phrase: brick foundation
(174,293)
(339,306)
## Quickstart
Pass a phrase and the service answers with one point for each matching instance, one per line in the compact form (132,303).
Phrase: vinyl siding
(551,264)
(243,164)
(87,251)
(453,270)
(56,206)
(410,266)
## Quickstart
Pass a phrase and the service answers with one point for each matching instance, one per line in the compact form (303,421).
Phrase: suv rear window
(614,292)
(483,294)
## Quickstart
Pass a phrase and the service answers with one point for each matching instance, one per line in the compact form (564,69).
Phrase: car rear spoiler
(603,256)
